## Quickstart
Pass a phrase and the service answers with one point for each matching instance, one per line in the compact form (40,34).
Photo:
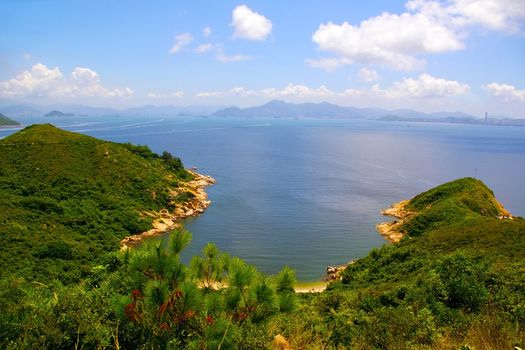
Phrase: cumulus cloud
(427,27)
(425,86)
(502,15)
(293,91)
(367,75)
(389,39)
(42,81)
(505,92)
(298,91)
(206,31)
(250,25)
(181,41)
(162,96)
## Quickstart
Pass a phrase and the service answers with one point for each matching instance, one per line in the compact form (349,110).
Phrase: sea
(307,193)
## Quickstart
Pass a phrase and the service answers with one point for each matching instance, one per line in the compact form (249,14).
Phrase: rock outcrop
(391,230)
(163,220)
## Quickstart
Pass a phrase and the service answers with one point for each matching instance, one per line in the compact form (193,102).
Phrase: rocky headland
(391,230)
(164,220)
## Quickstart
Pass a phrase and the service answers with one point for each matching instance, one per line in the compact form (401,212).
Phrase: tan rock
(280,343)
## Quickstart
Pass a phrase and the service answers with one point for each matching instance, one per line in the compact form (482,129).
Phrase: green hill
(5,121)
(456,278)
(66,199)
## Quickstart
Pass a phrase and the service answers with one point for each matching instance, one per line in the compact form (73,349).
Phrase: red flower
(210,319)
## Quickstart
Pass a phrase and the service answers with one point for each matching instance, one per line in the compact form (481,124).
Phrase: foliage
(455,281)
(151,301)
(67,199)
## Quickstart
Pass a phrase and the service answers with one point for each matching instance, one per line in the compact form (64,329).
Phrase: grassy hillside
(457,278)
(66,199)
(5,121)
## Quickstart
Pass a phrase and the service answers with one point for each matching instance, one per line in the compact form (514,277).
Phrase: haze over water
(307,193)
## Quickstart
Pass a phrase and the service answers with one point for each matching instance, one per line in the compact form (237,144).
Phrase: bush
(464,279)
(55,250)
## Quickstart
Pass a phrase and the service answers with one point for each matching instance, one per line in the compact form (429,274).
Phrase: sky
(429,55)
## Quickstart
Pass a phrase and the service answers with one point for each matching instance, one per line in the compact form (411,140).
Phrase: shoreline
(164,221)
(390,230)
(310,287)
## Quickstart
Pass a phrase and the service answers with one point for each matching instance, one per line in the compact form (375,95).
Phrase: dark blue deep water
(307,193)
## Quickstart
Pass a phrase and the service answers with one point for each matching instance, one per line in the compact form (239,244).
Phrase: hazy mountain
(281,109)
(22,110)
(56,113)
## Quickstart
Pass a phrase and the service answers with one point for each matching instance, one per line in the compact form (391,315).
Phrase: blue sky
(429,55)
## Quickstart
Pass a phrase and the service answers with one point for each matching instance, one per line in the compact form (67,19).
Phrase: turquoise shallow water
(307,193)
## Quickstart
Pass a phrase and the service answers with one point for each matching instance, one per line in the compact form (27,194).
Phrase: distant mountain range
(272,109)
(30,110)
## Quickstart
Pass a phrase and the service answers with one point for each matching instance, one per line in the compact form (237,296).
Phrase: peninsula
(69,199)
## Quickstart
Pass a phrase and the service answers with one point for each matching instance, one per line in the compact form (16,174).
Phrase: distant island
(5,121)
(325,110)
(59,114)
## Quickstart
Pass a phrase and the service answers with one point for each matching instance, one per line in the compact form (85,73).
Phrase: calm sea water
(307,193)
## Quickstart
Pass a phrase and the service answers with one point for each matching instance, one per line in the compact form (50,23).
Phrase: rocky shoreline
(164,221)
(391,230)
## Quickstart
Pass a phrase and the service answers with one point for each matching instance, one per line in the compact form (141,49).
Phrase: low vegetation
(67,199)
(455,281)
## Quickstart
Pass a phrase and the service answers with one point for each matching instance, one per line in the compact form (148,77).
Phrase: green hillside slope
(456,278)
(66,199)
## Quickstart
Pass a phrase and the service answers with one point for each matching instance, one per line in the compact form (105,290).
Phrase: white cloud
(292,91)
(427,27)
(250,25)
(203,48)
(236,91)
(503,15)
(206,31)
(161,96)
(327,64)
(221,57)
(388,39)
(181,41)
(425,86)
(505,92)
(298,91)
(367,75)
(42,81)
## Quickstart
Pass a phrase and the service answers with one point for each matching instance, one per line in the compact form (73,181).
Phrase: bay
(307,193)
